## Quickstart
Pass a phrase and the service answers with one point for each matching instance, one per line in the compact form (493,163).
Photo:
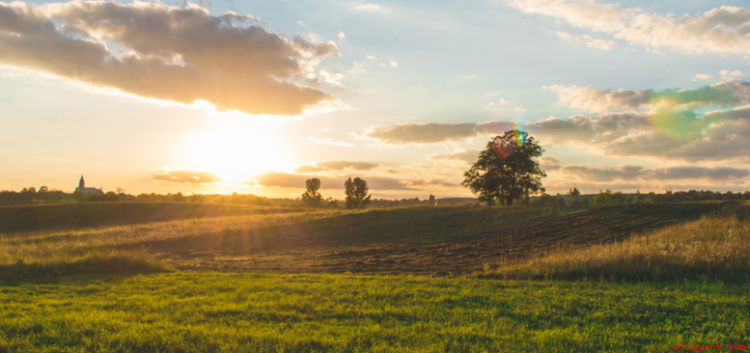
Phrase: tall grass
(712,247)
(61,252)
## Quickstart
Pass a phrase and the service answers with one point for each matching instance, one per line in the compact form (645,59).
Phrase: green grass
(195,278)
(213,312)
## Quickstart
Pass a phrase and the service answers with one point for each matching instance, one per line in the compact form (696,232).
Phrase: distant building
(86,191)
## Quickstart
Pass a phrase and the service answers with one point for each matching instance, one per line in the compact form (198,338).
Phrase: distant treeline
(46,196)
(607,197)
(51,196)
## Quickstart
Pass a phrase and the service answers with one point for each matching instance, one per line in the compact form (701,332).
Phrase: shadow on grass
(113,265)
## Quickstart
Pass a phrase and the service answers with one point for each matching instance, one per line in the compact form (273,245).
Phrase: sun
(236,150)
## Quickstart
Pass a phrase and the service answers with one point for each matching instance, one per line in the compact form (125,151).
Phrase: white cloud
(394,63)
(234,64)
(591,42)
(330,141)
(719,30)
(314,37)
(341,35)
(704,77)
(367,7)
(519,109)
(731,74)
(726,93)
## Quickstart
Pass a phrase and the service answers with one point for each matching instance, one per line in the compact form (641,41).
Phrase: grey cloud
(434,182)
(336,165)
(674,173)
(401,134)
(726,94)
(285,180)
(664,134)
(383,183)
(423,133)
(575,128)
(226,60)
(629,173)
(549,163)
(186,176)
(719,30)
(602,173)
(467,156)
(339,165)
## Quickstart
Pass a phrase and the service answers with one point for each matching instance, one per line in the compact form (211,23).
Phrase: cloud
(173,54)
(367,7)
(589,41)
(339,165)
(631,173)
(285,180)
(732,74)
(186,176)
(719,30)
(309,169)
(600,100)
(434,182)
(549,163)
(341,35)
(727,93)
(468,156)
(704,77)
(336,165)
(401,134)
(330,141)
(384,183)
(665,133)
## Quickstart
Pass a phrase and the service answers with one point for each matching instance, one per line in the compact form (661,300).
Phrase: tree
(312,197)
(356,193)
(509,178)
(574,192)
(120,190)
(432,201)
(43,189)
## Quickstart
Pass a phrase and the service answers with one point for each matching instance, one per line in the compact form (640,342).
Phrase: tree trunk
(510,201)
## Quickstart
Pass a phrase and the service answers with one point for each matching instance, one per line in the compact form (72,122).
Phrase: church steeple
(81,184)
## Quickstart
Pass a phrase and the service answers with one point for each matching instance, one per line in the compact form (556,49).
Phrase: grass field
(215,312)
(207,278)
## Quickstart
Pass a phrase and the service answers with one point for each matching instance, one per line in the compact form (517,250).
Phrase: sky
(257,96)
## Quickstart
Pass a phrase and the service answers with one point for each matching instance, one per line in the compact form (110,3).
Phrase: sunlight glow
(235,149)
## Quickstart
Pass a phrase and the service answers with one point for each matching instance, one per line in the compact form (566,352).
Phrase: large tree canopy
(506,179)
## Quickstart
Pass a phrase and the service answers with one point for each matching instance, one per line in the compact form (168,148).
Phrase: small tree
(509,178)
(574,192)
(43,189)
(312,197)
(356,193)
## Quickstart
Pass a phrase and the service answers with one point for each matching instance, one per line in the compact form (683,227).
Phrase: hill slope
(418,240)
